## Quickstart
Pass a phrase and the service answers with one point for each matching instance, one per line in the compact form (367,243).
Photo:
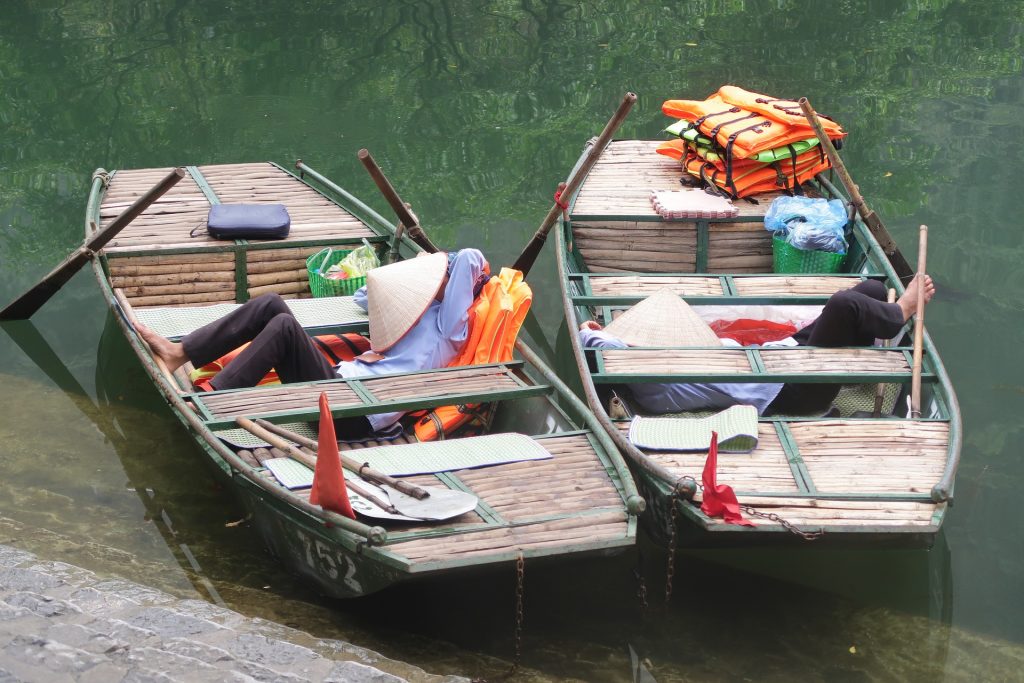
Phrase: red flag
(329,490)
(719,499)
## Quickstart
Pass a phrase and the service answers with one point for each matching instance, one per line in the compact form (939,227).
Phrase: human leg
(242,325)
(853,317)
(281,344)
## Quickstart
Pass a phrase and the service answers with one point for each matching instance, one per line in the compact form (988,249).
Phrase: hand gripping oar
(422,502)
(871,219)
(526,259)
(405,217)
(915,380)
(31,301)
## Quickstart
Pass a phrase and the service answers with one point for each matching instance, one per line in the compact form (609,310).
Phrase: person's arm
(599,339)
(453,317)
(360,298)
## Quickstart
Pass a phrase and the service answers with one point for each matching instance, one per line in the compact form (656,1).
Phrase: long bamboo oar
(526,259)
(31,301)
(871,219)
(915,381)
(405,217)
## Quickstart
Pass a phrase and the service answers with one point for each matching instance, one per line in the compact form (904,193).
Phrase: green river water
(476,109)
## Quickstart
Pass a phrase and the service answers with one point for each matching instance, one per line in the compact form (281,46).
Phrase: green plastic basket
(788,259)
(322,286)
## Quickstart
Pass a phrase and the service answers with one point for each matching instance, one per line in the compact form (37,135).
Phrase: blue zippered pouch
(248,221)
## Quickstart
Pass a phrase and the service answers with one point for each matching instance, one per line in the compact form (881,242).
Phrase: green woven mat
(736,427)
(241,438)
(179,321)
(455,454)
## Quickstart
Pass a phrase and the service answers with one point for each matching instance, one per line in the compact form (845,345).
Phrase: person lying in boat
(852,317)
(419,317)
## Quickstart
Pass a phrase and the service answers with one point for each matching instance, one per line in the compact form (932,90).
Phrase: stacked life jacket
(744,143)
(494,321)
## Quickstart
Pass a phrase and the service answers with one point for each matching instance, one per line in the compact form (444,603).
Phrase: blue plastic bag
(806,223)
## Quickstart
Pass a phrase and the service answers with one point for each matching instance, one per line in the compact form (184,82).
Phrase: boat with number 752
(548,482)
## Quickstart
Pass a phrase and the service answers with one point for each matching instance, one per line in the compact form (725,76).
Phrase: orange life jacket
(785,111)
(494,322)
(335,347)
(740,132)
(781,175)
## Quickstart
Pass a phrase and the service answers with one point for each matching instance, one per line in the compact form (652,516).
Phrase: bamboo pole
(871,219)
(401,209)
(915,383)
(529,254)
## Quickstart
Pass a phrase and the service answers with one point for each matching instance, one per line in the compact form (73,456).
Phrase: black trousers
(277,341)
(853,317)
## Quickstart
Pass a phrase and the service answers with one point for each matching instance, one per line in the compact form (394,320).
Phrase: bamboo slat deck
(381,393)
(828,464)
(168,222)
(524,506)
(142,258)
(616,229)
(743,362)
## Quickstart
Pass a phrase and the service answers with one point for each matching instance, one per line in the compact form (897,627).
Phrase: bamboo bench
(318,316)
(621,290)
(829,459)
(367,394)
(798,364)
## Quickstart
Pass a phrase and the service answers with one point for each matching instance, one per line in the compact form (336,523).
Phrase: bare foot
(171,353)
(908,302)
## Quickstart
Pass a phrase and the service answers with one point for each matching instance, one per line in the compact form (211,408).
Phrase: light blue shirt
(679,397)
(435,340)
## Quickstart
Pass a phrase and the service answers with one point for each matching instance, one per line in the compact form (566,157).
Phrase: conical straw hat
(662,319)
(397,296)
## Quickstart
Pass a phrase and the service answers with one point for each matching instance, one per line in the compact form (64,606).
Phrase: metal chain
(641,589)
(518,637)
(770,516)
(670,570)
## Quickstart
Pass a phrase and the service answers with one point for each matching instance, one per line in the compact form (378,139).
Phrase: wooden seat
(368,394)
(780,364)
(621,290)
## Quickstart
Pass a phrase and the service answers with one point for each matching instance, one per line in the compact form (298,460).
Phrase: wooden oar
(28,303)
(915,381)
(526,259)
(871,219)
(405,217)
(428,503)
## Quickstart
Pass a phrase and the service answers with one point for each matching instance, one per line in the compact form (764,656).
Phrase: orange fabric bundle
(494,322)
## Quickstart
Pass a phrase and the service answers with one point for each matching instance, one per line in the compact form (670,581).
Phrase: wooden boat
(580,501)
(875,480)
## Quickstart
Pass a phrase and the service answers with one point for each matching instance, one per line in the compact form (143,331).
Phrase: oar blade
(440,504)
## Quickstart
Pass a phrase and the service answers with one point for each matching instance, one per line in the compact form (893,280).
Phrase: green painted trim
(752,378)
(626,300)
(728,286)
(241,276)
(204,186)
(413,403)
(703,245)
(756,363)
(489,514)
(796,463)
(360,389)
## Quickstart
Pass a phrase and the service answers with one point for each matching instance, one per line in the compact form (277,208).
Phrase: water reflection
(763,615)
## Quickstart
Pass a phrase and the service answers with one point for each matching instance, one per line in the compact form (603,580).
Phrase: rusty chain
(770,516)
(518,637)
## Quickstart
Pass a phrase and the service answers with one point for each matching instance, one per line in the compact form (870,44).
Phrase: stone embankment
(63,623)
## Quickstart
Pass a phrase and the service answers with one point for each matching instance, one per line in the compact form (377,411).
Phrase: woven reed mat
(177,322)
(454,454)
(736,427)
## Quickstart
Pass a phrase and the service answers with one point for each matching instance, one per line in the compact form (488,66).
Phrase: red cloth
(719,499)
(329,490)
(748,332)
